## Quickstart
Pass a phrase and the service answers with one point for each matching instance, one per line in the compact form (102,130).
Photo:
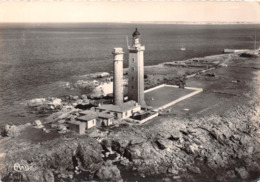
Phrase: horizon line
(142,22)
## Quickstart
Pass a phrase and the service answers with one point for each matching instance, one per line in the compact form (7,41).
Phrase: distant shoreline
(143,22)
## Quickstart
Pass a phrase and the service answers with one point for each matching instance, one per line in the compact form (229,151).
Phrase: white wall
(91,123)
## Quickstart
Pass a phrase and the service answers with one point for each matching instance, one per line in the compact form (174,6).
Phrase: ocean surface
(36,60)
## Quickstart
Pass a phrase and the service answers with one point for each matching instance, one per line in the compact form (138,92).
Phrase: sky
(125,11)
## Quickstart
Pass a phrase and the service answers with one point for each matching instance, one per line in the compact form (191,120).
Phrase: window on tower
(133,69)
(133,60)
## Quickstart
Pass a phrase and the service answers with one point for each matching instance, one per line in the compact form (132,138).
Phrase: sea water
(37,60)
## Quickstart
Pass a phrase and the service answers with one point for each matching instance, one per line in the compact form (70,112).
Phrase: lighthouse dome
(136,33)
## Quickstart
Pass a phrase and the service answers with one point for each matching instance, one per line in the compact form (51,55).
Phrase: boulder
(83,97)
(57,102)
(230,174)
(89,155)
(242,172)
(144,151)
(163,144)
(109,172)
(36,102)
(75,97)
(7,127)
(61,121)
(172,170)
(37,124)
(43,105)
(175,135)
(11,131)
(62,127)
(193,148)
(194,169)
(48,175)
(116,146)
(95,133)
(210,74)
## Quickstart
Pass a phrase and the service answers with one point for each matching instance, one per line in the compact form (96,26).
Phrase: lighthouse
(136,70)
(118,93)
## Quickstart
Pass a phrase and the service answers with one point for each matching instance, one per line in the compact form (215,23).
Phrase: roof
(95,114)
(120,108)
(88,115)
(136,33)
(104,115)
(86,112)
(76,122)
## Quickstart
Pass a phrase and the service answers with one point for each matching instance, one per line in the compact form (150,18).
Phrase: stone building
(136,70)
(93,118)
(89,117)
(121,111)
(77,126)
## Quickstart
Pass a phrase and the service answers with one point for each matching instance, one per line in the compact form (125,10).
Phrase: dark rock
(162,169)
(115,145)
(143,150)
(124,162)
(106,144)
(163,144)
(230,174)
(175,136)
(109,172)
(172,170)
(48,175)
(61,155)
(184,132)
(248,55)
(89,158)
(242,172)
(194,169)
(84,106)
(41,175)
(210,74)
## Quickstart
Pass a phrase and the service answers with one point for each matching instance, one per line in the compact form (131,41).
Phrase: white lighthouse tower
(118,92)
(136,70)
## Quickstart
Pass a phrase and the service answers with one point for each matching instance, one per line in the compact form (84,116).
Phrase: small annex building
(90,118)
(77,126)
(105,119)
(93,118)
(121,111)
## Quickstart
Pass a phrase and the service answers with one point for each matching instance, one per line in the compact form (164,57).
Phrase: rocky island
(213,136)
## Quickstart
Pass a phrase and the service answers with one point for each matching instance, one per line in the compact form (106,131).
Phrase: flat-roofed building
(105,119)
(77,126)
(121,111)
(102,118)
(90,118)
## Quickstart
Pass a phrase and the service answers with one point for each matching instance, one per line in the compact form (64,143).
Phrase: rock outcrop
(13,130)
(213,147)
(53,160)
(219,147)
(108,171)
(45,104)
(37,124)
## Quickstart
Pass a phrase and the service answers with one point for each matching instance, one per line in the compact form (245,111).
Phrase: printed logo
(23,167)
